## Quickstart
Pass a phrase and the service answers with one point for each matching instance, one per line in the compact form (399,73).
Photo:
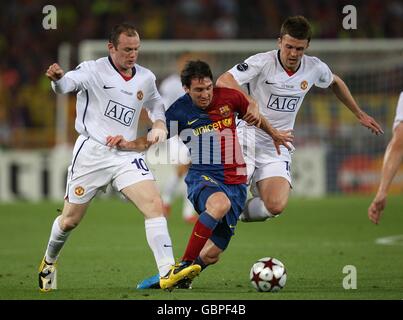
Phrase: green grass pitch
(108,254)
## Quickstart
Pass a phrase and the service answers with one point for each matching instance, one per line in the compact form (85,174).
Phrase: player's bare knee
(218,204)
(275,208)
(68,223)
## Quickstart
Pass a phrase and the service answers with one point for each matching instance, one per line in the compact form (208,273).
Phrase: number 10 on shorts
(141,164)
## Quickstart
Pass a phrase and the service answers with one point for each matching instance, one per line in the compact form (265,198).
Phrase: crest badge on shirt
(225,111)
(304,85)
(79,191)
(140,95)
(242,66)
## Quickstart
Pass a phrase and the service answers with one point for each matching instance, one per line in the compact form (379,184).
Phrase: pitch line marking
(391,240)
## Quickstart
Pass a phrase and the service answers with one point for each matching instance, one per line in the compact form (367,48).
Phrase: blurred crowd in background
(27,49)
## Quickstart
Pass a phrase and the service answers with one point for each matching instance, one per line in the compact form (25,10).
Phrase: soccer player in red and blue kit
(204,118)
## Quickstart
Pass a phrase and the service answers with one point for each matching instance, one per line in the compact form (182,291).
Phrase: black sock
(200,262)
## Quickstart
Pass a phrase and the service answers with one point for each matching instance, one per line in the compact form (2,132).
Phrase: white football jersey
(107,104)
(279,95)
(399,112)
(171,89)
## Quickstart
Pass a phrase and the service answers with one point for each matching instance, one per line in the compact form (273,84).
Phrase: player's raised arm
(64,84)
(342,92)
(60,84)
(54,72)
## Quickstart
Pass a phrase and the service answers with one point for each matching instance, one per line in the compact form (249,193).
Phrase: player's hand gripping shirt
(210,134)
(107,104)
(279,95)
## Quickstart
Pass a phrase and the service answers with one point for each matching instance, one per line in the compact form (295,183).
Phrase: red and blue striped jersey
(210,134)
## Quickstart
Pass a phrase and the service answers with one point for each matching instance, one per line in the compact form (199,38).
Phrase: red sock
(198,239)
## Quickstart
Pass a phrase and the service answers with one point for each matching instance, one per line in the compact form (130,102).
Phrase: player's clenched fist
(54,72)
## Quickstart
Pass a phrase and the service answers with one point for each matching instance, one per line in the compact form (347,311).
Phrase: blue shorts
(200,187)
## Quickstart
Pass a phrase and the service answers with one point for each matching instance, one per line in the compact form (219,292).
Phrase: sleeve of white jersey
(246,71)
(399,111)
(325,75)
(154,104)
(74,80)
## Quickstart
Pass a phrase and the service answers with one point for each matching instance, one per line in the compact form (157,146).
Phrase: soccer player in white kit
(392,159)
(111,92)
(278,81)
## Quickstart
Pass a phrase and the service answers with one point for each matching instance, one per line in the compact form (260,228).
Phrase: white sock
(160,243)
(56,241)
(255,210)
(170,188)
(188,210)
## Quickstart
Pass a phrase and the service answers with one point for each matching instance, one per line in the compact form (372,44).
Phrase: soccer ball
(268,274)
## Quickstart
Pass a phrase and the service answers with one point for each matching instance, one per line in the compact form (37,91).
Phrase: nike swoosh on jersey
(267,82)
(192,121)
(106,87)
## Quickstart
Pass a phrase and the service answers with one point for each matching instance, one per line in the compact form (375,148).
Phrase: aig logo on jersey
(283,103)
(120,113)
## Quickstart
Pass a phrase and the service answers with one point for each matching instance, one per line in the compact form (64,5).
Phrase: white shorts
(273,169)
(261,158)
(95,165)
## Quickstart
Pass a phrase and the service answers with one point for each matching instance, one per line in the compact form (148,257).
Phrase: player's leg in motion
(270,200)
(208,239)
(217,205)
(62,226)
(188,212)
(210,254)
(146,197)
(173,186)
(169,191)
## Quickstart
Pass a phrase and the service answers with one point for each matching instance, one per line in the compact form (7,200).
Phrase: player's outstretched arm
(342,92)
(391,162)
(140,144)
(252,116)
(227,80)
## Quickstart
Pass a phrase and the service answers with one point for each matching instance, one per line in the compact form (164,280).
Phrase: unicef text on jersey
(283,103)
